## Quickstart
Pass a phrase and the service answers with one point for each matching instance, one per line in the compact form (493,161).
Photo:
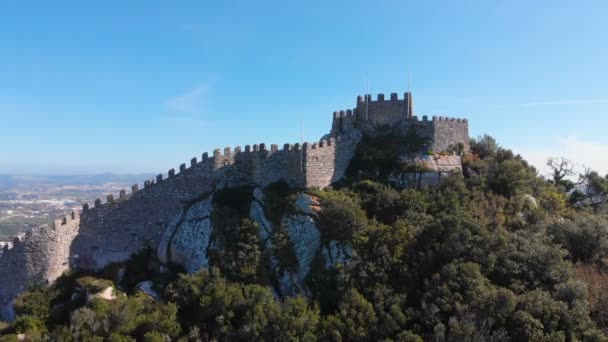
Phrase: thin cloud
(190,101)
(565,102)
(584,153)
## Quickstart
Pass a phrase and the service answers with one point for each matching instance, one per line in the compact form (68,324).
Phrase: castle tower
(409,103)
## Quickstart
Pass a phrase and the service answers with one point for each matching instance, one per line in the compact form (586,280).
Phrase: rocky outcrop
(187,236)
(427,170)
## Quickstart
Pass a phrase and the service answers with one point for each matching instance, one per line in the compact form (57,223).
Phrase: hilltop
(400,230)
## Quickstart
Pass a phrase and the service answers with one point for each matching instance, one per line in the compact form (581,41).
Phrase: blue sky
(142,86)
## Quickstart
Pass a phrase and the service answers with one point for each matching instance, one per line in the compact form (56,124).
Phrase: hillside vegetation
(494,254)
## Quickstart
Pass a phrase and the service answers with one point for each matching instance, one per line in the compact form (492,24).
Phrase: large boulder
(187,237)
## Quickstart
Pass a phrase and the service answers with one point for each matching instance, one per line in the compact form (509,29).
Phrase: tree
(593,188)
(484,147)
(354,321)
(560,169)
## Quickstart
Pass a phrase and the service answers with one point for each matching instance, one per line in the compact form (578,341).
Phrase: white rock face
(186,237)
(530,201)
(107,294)
(256,213)
(146,287)
(439,163)
(165,242)
(437,166)
(305,239)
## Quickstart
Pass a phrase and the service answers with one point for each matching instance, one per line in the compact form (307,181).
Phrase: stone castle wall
(39,257)
(375,117)
(112,231)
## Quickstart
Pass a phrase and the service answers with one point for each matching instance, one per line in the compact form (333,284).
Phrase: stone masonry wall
(112,231)
(450,131)
(371,117)
(41,256)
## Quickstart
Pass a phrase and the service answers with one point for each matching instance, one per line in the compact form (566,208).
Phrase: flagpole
(302,146)
(409,96)
(366,97)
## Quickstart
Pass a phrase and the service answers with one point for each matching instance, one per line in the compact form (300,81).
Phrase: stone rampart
(447,132)
(39,257)
(112,231)
(388,114)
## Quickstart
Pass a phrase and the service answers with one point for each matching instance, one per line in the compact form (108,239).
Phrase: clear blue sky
(142,86)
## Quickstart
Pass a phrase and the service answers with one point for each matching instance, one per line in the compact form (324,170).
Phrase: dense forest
(495,253)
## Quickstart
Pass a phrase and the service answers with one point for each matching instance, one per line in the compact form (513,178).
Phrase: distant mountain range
(10,181)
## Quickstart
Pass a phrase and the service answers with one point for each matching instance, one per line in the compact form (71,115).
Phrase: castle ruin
(113,230)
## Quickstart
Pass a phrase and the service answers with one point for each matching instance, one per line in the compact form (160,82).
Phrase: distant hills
(8,181)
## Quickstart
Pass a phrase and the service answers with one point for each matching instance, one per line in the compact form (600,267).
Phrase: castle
(114,230)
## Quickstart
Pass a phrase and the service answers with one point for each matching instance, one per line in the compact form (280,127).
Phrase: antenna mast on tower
(367,97)
(302,146)
(408,98)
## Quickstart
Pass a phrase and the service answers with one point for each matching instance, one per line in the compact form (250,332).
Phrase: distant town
(29,201)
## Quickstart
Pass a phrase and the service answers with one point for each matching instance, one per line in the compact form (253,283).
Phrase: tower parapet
(394,114)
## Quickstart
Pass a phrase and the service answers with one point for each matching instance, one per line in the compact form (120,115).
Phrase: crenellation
(114,231)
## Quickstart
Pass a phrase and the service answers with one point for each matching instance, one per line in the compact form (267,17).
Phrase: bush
(341,217)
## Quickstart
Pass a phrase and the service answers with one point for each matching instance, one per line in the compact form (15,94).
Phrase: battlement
(374,117)
(209,164)
(113,228)
(382,98)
